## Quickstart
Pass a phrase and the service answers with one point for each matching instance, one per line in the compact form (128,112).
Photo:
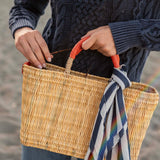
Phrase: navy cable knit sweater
(135,25)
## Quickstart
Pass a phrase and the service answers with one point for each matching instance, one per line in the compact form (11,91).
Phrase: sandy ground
(10,94)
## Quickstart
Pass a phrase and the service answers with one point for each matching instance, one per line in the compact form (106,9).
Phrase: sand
(10,94)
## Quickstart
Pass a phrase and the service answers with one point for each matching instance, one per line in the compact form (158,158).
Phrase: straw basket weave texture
(59,110)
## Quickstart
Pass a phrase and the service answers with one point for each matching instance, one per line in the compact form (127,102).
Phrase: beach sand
(10,93)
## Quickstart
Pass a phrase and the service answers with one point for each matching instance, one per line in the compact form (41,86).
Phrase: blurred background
(10,93)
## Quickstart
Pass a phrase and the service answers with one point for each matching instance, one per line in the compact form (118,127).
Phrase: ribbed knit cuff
(20,23)
(126,35)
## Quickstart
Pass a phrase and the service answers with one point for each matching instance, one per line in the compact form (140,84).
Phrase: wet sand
(10,94)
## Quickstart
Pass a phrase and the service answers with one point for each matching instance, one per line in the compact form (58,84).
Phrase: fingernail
(39,66)
(49,59)
(44,65)
(83,44)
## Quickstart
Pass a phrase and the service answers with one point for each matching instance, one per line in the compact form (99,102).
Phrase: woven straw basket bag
(59,109)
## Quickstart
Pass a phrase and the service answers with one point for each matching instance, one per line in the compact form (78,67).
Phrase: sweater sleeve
(26,13)
(143,33)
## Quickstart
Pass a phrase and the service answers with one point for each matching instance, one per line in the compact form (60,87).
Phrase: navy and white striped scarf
(110,134)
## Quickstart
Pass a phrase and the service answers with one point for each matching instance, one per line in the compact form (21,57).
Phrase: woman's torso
(71,19)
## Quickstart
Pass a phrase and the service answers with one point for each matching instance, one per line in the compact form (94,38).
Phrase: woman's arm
(23,20)
(143,33)
(121,36)
(118,37)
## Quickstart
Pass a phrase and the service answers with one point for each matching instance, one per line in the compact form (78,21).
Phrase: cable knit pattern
(135,26)
(85,17)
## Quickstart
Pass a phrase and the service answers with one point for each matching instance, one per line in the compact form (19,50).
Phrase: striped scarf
(110,134)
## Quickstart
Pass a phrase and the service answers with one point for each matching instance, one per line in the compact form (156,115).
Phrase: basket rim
(51,68)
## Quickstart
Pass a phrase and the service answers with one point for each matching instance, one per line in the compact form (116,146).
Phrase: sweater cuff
(20,23)
(126,35)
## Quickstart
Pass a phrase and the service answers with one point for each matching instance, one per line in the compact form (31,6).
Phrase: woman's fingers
(94,47)
(100,39)
(20,45)
(43,46)
(104,51)
(92,31)
(88,34)
(89,43)
(32,45)
(37,51)
(30,54)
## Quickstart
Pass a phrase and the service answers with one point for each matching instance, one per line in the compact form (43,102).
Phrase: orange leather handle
(78,48)
(116,61)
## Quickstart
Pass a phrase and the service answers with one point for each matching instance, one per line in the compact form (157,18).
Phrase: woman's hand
(100,39)
(32,45)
